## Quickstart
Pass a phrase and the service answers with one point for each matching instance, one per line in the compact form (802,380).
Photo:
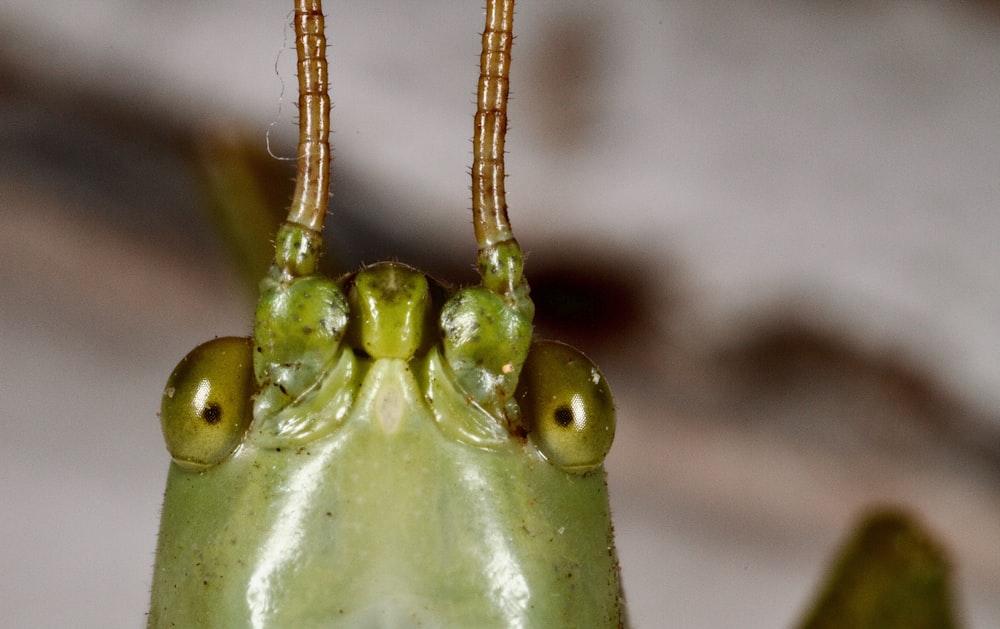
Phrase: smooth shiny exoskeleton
(206,406)
(401,503)
(401,455)
(567,405)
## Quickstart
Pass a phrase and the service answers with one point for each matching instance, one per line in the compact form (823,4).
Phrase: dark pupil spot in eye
(212,413)
(563,416)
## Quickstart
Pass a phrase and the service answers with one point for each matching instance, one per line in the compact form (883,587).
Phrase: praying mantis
(383,452)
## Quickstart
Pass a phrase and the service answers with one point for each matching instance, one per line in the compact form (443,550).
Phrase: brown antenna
(312,182)
(299,240)
(500,259)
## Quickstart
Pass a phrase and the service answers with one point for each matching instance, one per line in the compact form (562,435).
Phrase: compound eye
(206,407)
(567,406)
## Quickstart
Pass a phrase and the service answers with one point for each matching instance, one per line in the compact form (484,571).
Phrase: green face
(384,452)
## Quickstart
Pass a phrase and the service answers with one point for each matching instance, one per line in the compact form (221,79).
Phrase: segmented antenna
(299,241)
(312,183)
(500,260)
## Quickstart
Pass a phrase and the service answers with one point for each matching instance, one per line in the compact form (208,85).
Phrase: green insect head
(482,378)
(314,338)
(385,451)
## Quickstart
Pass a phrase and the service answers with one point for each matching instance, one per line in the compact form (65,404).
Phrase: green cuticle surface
(379,469)
(297,250)
(391,306)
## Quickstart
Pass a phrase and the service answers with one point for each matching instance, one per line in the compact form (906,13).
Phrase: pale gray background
(836,163)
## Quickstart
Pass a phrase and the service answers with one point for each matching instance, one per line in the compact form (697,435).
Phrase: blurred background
(773,224)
